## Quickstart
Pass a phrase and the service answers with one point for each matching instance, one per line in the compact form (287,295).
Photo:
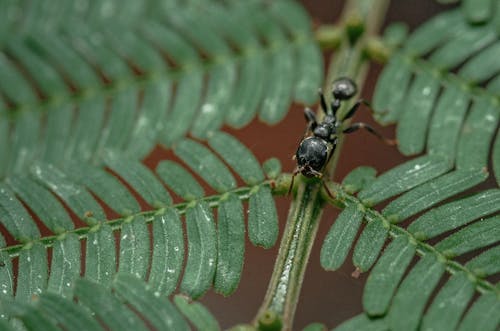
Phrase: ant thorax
(326,128)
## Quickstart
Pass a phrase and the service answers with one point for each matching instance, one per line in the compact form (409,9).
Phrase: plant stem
(278,308)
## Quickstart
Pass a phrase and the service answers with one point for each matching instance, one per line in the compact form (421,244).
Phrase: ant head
(344,88)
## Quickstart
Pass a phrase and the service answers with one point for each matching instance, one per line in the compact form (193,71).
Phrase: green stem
(361,19)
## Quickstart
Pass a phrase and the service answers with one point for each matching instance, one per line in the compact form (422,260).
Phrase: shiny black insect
(320,139)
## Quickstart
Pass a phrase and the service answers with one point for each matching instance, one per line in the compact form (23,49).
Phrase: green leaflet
(479,234)
(496,158)
(202,161)
(477,134)
(32,272)
(105,186)
(385,276)
(202,250)
(179,180)
(238,157)
(404,177)
(486,263)
(358,179)
(65,265)
(140,178)
(230,244)
(432,192)
(455,214)
(100,259)
(198,315)
(67,313)
(134,248)
(483,315)
(416,114)
(362,323)
(370,244)
(25,137)
(30,318)
(77,198)
(478,11)
(13,84)
(168,251)
(410,299)
(449,304)
(6,274)
(483,65)
(48,209)
(107,308)
(262,217)
(156,309)
(445,125)
(340,237)
(15,217)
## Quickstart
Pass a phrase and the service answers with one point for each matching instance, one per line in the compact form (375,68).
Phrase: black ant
(320,139)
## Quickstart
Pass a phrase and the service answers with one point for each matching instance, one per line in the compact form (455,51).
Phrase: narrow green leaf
(48,209)
(202,250)
(201,160)
(340,237)
(272,168)
(358,179)
(496,158)
(134,248)
(410,299)
(156,309)
(369,244)
(482,66)
(448,306)
(238,157)
(391,89)
(84,135)
(105,186)
(477,134)
(32,272)
(100,260)
(445,125)
(479,234)
(432,192)
(435,31)
(75,196)
(120,122)
(65,265)
(412,129)
(362,322)
(140,178)
(231,244)
(15,218)
(26,138)
(404,177)
(114,314)
(168,252)
(68,314)
(451,53)
(179,180)
(455,214)
(31,318)
(484,314)
(478,11)
(262,217)
(197,314)
(486,263)
(57,132)
(5,145)
(218,97)
(385,276)
(187,100)
(150,120)
(310,71)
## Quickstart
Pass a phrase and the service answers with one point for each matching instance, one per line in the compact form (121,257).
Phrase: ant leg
(355,107)
(310,118)
(295,172)
(328,191)
(323,102)
(359,125)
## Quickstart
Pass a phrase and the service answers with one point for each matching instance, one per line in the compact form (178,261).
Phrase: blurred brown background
(327,297)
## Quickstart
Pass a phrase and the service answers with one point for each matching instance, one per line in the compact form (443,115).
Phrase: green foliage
(87,92)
